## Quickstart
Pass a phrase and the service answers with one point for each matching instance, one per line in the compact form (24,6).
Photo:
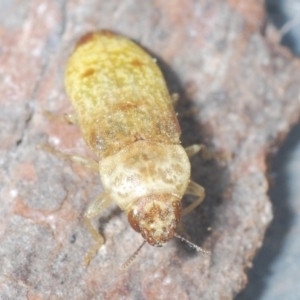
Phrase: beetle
(127,117)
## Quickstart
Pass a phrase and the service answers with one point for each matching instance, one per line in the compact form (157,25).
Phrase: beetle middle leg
(93,210)
(195,190)
(86,162)
(192,150)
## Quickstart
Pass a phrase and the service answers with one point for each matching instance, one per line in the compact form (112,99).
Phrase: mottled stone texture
(217,56)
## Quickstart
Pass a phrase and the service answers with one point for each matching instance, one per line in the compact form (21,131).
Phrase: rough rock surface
(218,56)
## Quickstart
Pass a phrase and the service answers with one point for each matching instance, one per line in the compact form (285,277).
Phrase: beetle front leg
(93,210)
(195,190)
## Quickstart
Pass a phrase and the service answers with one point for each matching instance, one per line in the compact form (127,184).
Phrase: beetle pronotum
(127,118)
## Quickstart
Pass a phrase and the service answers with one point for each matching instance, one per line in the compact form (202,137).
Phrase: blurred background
(276,268)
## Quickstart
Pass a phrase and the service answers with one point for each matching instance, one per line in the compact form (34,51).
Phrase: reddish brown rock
(246,89)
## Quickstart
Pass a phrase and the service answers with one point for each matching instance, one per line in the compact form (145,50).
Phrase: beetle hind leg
(86,162)
(70,118)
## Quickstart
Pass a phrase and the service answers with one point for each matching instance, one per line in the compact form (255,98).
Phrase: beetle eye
(133,219)
(177,209)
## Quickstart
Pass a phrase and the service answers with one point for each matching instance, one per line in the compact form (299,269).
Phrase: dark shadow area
(276,10)
(279,194)
(281,224)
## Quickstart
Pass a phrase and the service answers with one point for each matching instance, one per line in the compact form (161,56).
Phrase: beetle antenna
(197,248)
(133,256)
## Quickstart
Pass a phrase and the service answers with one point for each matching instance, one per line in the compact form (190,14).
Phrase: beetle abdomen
(119,94)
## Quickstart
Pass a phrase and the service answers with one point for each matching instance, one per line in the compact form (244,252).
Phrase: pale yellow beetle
(127,118)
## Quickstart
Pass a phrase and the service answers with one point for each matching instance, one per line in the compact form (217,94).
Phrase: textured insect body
(119,94)
(127,118)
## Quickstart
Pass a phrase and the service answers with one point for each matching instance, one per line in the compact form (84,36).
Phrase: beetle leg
(93,210)
(86,162)
(195,190)
(188,113)
(68,117)
(174,98)
(71,118)
(192,150)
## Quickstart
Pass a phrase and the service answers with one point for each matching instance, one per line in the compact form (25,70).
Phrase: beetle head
(155,217)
